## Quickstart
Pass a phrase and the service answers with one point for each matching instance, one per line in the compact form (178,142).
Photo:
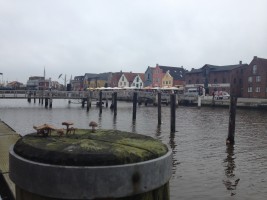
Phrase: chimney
(240,62)
(255,57)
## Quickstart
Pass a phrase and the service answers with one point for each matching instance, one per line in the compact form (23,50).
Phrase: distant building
(77,83)
(255,79)
(33,82)
(176,76)
(97,80)
(149,76)
(115,79)
(227,78)
(15,85)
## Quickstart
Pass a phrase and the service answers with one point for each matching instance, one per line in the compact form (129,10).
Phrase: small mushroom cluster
(93,124)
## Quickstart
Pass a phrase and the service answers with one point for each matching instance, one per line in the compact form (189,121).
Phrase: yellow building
(167,80)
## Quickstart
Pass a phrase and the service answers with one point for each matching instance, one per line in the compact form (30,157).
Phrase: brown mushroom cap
(93,124)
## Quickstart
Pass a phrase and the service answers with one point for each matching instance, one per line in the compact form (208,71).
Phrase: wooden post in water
(159,108)
(87,104)
(46,102)
(172,104)
(83,102)
(29,97)
(50,102)
(106,95)
(134,105)
(100,102)
(115,103)
(198,101)
(231,128)
(34,95)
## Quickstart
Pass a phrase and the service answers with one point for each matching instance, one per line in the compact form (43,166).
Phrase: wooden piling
(172,106)
(100,102)
(46,102)
(88,102)
(83,102)
(106,95)
(198,101)
(115,103)
(159,108)
(232,114)
(50,102)
(134,105)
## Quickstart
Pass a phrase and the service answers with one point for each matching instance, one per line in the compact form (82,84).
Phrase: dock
(8,137)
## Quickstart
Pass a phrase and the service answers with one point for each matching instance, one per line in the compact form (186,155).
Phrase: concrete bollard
(91,166)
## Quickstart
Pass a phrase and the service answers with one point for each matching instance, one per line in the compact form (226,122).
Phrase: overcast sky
(75,37)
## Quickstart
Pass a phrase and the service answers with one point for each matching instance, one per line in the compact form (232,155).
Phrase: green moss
(103,147)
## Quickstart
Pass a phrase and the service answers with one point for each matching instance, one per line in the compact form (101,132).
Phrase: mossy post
(105,164)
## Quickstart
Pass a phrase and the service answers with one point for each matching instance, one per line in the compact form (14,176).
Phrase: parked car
(221,95)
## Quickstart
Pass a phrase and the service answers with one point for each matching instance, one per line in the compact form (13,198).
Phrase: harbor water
(203,166)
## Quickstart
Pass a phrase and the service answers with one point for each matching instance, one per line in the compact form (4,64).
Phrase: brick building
(255,79)
(227,78)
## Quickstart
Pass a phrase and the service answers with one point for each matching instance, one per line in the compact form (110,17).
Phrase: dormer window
(254,70)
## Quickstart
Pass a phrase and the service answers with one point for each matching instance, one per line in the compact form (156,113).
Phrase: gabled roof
(216,68)
(130,76)
(223,68)
(176,72)
(142,76)
(261,61)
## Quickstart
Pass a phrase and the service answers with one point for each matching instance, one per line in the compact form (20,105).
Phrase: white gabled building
(138,81)
(130,79)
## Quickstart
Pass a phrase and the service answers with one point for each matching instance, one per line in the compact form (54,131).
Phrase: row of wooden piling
(232,112)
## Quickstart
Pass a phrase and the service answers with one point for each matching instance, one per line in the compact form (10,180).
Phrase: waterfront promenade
(7,137)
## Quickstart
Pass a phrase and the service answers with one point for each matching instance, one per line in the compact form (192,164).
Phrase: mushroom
(93,124)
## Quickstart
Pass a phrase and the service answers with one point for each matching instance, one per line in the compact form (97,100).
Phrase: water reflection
(231,181)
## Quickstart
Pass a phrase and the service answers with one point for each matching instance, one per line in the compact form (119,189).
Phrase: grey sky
(94,36)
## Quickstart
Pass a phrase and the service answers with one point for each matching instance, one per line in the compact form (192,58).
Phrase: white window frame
(250,79)
(250,89)
(258,78)
(258,89)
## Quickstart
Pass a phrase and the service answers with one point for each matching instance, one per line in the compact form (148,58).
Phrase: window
(250,79)
(215,80)
(258,78)
(122,78)
(137,79)
(258,89)
(254,70)
(249,89)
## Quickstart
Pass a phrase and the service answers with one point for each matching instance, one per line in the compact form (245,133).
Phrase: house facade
(177,74)
(126,79)
(213,78)
(97,80)
(138,81)
(255,79)
(77,83)
(149,76)
(167,80)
